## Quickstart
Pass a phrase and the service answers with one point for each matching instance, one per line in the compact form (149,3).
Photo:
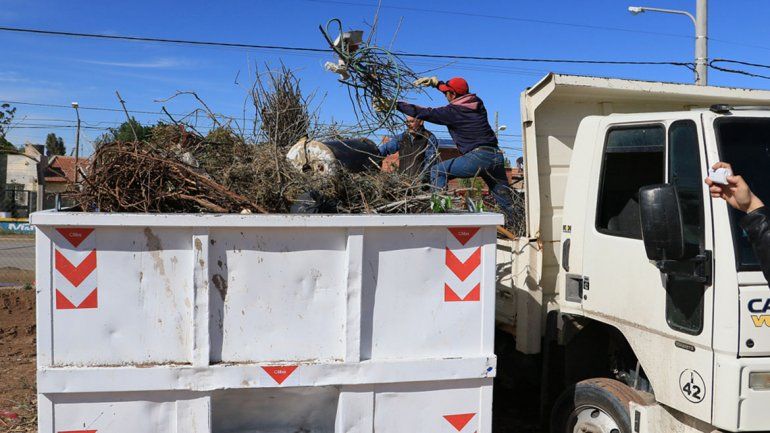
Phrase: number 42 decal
(692,386)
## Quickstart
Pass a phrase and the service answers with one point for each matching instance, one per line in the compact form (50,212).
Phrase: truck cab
(682,343)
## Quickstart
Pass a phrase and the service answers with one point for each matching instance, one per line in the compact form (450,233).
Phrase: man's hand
(426,82)
(736,193)
(382,105)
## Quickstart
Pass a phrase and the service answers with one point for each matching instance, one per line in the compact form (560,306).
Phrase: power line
(116,110)
(36,124)
(325,50)
(160,40)
(501,17)
(739,71)
(739,62)
(536,21)
(61,106)
(37,104)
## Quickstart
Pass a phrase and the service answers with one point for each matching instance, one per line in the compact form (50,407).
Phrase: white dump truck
(636,290)
(634,286)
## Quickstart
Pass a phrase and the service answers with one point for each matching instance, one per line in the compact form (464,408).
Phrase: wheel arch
(594,349)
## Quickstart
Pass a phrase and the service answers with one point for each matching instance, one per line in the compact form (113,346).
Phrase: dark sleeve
(757,226)
(391,146)
(440,116)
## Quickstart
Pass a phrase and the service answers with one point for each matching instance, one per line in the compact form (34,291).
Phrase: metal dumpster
(265,323)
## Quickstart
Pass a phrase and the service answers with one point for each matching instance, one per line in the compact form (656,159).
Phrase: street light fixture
(636,10)
(700,20)
(77,142)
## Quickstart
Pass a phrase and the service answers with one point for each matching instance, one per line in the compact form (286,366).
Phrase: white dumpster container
(265,323)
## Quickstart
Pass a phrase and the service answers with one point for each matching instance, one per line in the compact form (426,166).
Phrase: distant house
(18,180)
(21,170)
(20,177)
(60,173)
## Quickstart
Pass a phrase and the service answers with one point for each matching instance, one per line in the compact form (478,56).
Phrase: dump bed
(551,112)
(280,323)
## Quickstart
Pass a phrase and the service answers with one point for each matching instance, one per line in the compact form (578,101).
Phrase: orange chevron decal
(459,421)
(451,296)
(75,274)
(463,269)
(62,303)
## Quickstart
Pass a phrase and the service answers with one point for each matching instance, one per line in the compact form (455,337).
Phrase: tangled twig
(376,78)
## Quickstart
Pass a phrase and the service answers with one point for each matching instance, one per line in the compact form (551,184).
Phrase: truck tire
(594,406)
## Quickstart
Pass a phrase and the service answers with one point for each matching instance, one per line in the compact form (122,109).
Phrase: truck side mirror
(661,222)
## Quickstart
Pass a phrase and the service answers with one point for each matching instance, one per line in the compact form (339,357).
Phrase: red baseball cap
(456,84)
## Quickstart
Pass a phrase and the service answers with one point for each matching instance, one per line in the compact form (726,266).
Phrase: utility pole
(77,143)
(701,43)
(497,126)
(41,169)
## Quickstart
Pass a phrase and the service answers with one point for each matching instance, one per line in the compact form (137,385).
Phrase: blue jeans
(485,162)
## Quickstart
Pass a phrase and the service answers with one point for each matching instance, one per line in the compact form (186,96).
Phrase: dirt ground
(515,407)
(17,361)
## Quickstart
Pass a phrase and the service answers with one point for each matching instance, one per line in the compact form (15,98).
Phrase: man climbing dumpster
(466,119)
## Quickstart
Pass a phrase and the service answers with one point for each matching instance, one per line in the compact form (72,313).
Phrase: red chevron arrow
(75,235)
(463,269)
(280,373)
(75,274)
(459,421)
(91,301)
(451,296)
(463,234)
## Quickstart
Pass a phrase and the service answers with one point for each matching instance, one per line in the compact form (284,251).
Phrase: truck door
(665,319)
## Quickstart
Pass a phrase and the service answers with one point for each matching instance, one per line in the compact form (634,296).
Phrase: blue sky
(57,70)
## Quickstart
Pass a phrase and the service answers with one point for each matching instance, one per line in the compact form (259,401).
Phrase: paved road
(17,252)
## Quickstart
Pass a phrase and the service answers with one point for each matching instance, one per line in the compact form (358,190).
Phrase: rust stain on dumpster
(154,247)
(221,284)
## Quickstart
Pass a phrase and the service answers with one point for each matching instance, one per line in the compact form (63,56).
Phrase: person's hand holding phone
(735,192)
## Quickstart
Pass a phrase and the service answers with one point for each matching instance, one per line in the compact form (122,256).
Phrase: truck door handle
(565,254)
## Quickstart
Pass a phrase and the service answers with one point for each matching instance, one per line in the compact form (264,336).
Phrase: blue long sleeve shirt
(431,150)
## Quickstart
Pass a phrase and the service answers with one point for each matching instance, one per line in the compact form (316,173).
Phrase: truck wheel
(594,406)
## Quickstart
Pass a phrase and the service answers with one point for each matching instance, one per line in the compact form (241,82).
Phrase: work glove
(426,82)
(381,105)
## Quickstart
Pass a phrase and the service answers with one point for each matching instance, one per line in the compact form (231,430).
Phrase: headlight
(759,381)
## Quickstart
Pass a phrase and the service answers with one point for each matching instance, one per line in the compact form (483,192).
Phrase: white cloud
(160,63)
(29,93)
(12,77)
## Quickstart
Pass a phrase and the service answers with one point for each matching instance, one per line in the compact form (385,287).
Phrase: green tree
(54,145)
(5,144)
(125,132)
(6,118)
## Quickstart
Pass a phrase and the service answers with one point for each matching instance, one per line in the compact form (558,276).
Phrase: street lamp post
(77,142)
(700,21)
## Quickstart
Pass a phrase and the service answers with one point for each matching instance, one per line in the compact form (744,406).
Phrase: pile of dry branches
(145,177)
(198,174)
(178,169)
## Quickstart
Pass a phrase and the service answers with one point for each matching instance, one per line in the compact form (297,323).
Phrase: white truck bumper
(737,407)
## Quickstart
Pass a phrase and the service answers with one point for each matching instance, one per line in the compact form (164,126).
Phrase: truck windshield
(744,142)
